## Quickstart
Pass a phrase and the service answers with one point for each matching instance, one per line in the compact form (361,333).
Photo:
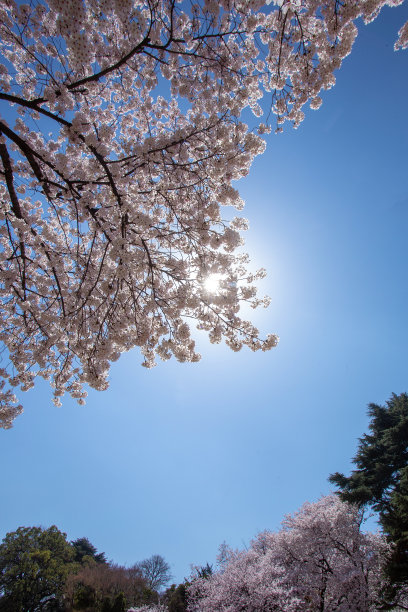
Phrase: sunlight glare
(212,283)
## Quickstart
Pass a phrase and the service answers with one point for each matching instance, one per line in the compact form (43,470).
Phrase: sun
(212,283)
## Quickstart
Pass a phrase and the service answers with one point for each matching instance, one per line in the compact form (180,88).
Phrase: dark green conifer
(381,478)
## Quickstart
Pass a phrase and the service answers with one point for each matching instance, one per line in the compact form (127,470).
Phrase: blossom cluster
(320,560)
(121,134)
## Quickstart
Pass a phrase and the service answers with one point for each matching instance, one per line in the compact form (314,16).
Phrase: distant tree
(85,551)
(175,597)
(83,596)
(319,562)
(204,571)
(117,603)
(34,564)
(102,586)
(139,590)
(156,571)
(381,478)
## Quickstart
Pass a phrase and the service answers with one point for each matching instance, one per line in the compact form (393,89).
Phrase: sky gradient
(176,460)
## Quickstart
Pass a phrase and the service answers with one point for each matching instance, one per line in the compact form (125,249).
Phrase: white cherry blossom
(121,134)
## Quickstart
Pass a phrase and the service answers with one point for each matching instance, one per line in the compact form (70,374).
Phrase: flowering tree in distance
(120,135)
(319,561)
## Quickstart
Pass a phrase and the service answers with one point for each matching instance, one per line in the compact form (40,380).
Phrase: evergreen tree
(85,552)
(381,478)
(175,597)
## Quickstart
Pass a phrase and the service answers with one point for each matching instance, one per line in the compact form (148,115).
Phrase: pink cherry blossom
(320,560)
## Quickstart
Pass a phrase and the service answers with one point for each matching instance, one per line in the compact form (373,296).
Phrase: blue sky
(178,459)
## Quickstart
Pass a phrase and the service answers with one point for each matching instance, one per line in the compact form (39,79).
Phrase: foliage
(103,587)
(116,603)
(34,564)
(156,571)
(86,552)
(40,570)
(319,561)
(110,218)
(175,597)
(381,477)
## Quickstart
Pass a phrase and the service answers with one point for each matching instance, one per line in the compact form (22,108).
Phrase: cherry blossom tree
(320,560)
(121,132)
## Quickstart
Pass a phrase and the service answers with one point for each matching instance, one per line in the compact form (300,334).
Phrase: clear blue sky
(178,459)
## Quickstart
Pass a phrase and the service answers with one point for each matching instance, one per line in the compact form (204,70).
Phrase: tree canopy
(85,551)
(320,561)
(381,477)
(156,571)
(40,570)
(34,564)
(103,587)
(121,132)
